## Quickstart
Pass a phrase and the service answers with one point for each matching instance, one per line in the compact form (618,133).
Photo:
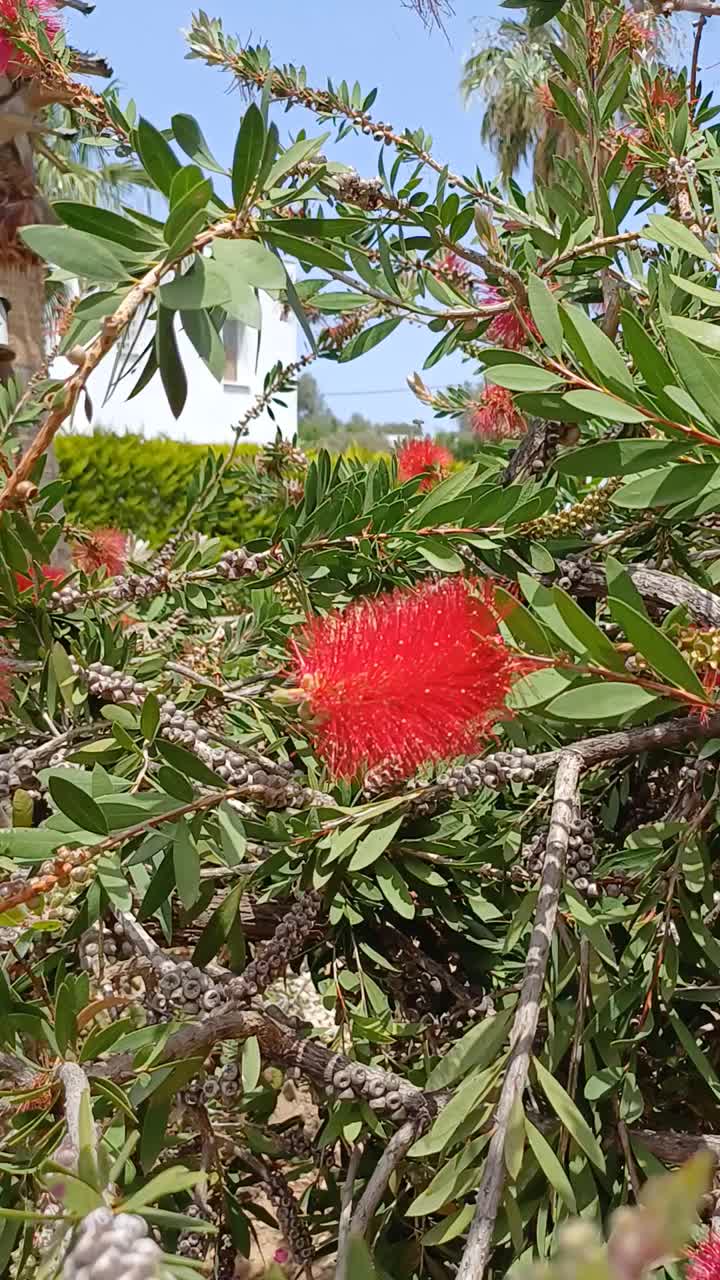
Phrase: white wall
(212,407)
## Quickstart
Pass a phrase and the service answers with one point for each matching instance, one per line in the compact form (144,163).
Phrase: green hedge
(128,482)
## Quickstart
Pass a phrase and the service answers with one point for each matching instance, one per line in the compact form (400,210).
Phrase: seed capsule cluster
(272,959)
(194,1244)
(364,193)
(240,563)
(268,781)
(112,1247)
(220,1087)
(289,1218)
(570,572)
(384,1092)
(580,860)
(102,948)
(581,517)
(492,771)
(177,988)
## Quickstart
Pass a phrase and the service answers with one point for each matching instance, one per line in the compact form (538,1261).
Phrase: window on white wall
(237,352)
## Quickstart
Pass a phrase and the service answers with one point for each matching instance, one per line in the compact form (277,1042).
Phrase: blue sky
(377,42)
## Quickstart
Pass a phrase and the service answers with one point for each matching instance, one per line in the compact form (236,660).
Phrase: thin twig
(393,1155)
(477,1248)
(699,28)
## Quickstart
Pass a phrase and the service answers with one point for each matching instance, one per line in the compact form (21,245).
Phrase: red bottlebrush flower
(634,33)
(49,574)
(508,328)
(663,93)
(411,677)
(494,416)
(704,1260)
(545,100)
(101,549)
(46,11)
(417,456)
(455,270)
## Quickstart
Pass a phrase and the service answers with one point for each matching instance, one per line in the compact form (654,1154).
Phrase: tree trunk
(22,275)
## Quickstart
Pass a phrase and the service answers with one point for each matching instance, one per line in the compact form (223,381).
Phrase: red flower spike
(411,677)
(46,11)
(508,328)
(102,549)
(494,416)
(704,1260)
(417,456)
(49,574)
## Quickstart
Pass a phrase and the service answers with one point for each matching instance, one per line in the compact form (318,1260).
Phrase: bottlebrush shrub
(432,765)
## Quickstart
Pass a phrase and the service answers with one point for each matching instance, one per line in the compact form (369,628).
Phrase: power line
(377,391)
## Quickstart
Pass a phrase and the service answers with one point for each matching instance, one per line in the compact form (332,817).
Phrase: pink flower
(45,10)
(281,1256)
(494,416)
(510,329)
(455,269)
(704,1260)
(101,549)
(418,456)
(416,675)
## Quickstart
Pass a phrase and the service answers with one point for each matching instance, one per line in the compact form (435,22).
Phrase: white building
(212,408)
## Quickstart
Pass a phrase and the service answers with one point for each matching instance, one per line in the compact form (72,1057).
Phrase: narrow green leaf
(593,640)
(601,700)
(186,862)
(394,889)
(77,805)
(551,1166)
(521,377)
(169,362)
(656,647)
(251,1064)
(249,147)
(545,313)
(598,405)
(665,230)
(566,1111)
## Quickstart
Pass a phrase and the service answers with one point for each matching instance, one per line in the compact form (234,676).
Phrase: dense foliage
(220,765)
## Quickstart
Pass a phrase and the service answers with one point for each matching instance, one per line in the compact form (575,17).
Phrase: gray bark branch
(477,1248)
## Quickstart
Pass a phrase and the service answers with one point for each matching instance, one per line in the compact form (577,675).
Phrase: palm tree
(509,75)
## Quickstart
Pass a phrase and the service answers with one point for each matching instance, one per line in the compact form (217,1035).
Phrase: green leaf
(568,107)
(76,1197)
(186,862)
(545,313)
(251,1064)
(218,927)
(205,285)
(249,148)
(707,335)
(515,1138)
(149,717)
(88,257)
(65,1017)
(618,457)
(566,1111)
(190,137)
(394,889)
(521,377)
(591,638)
(440,555)
(649,360)
(523,627)
(294,155)
(170,365)
(251,262)
(551,1166)
(598,405)
(187,763)
(77,805)
(63,674)
(668,485)
(374,844)
(157,156)
(359,1260)
(112,878)
(711,296)
(589,343)
(472,1052)
(655,646)
(111,226)
(167,1183)
(180,226)
(368,338)
(621,586)
(206,341)
(232,836)
(319,255)
(601,700)
(664,230)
